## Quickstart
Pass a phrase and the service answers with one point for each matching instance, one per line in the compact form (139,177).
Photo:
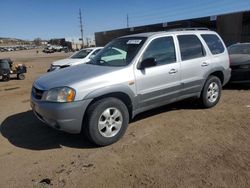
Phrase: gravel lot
(179,145)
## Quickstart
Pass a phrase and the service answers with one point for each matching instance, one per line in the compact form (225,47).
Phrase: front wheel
(107,121)
(211,92)
(6,77)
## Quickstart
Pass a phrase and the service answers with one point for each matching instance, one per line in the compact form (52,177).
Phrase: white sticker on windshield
(134,42)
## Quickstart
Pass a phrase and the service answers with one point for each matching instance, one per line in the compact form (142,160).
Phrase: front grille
(240,67)
(238,74)
(37,93)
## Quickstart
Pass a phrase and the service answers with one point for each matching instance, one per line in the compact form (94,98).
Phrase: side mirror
(149,62)
(91,57)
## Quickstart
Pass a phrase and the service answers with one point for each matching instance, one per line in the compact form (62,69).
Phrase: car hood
(73,76)
(69,61)
(239,59)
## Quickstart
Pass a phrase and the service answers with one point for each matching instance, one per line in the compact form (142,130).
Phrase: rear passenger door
(161,83)
(194,63)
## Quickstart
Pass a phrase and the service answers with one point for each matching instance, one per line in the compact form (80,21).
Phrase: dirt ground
(179,145)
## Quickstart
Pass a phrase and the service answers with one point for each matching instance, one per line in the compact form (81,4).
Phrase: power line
(161,13)
(177,12)
(146,11)
(127,21)
(171,7)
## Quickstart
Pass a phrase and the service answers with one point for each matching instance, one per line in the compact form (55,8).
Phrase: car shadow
(12,78)
(24,130)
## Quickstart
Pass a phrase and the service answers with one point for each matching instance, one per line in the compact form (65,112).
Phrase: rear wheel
(211,92)
(20,76)
(107,121)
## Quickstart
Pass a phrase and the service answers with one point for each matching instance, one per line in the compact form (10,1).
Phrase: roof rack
(190,29)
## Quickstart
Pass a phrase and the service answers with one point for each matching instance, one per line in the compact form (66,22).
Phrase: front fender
(112,89)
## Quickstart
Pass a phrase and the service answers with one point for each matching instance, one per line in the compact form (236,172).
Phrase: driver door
(161,83)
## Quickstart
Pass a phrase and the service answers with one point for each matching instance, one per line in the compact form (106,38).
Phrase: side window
(112,52)
(162,49)
(190,47)
(214,43)
(116,55)
(95,52)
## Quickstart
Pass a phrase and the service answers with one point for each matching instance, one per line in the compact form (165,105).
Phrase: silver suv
(130,75)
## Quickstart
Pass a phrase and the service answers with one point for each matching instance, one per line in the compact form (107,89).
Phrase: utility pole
(81,27)
(127,21)
(87,40)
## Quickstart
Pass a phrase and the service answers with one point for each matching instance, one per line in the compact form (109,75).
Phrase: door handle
(173,71)
(204,64)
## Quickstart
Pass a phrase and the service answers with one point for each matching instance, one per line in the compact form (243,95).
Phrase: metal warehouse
(233,28)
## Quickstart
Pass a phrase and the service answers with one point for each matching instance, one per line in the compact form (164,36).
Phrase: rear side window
(214,43)
(95,52)
(191,47)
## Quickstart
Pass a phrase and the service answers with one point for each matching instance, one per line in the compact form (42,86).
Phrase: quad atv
(7,68)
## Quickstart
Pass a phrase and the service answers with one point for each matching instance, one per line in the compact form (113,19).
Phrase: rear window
(214,43)
(191,47)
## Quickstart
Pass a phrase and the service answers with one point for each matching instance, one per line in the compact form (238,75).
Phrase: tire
(20,76)
(6,78)
(107,121)
(211,92)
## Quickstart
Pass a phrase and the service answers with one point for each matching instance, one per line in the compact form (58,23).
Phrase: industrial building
(233,28)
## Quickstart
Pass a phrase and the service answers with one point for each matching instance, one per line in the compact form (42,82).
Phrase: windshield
(4,64)
(81,54)
(119,52)
(239,49)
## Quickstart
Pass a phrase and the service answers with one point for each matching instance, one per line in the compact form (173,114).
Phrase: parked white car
(80,57)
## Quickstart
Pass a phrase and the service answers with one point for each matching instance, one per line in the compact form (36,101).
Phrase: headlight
(60,94)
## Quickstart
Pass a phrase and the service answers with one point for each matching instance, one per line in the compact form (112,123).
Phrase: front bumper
(66,117)
(239,75)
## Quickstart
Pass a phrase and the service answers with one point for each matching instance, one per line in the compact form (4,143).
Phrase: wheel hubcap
(110,122)
(212,92)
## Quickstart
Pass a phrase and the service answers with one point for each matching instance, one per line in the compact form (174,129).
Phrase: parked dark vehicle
(240,62)
(7,68)
(2,50)
(4,70)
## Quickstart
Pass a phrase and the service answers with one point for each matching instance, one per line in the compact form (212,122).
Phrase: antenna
(127,21)
(81,27)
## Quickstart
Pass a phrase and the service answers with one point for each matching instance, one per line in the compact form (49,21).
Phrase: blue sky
(28,19)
